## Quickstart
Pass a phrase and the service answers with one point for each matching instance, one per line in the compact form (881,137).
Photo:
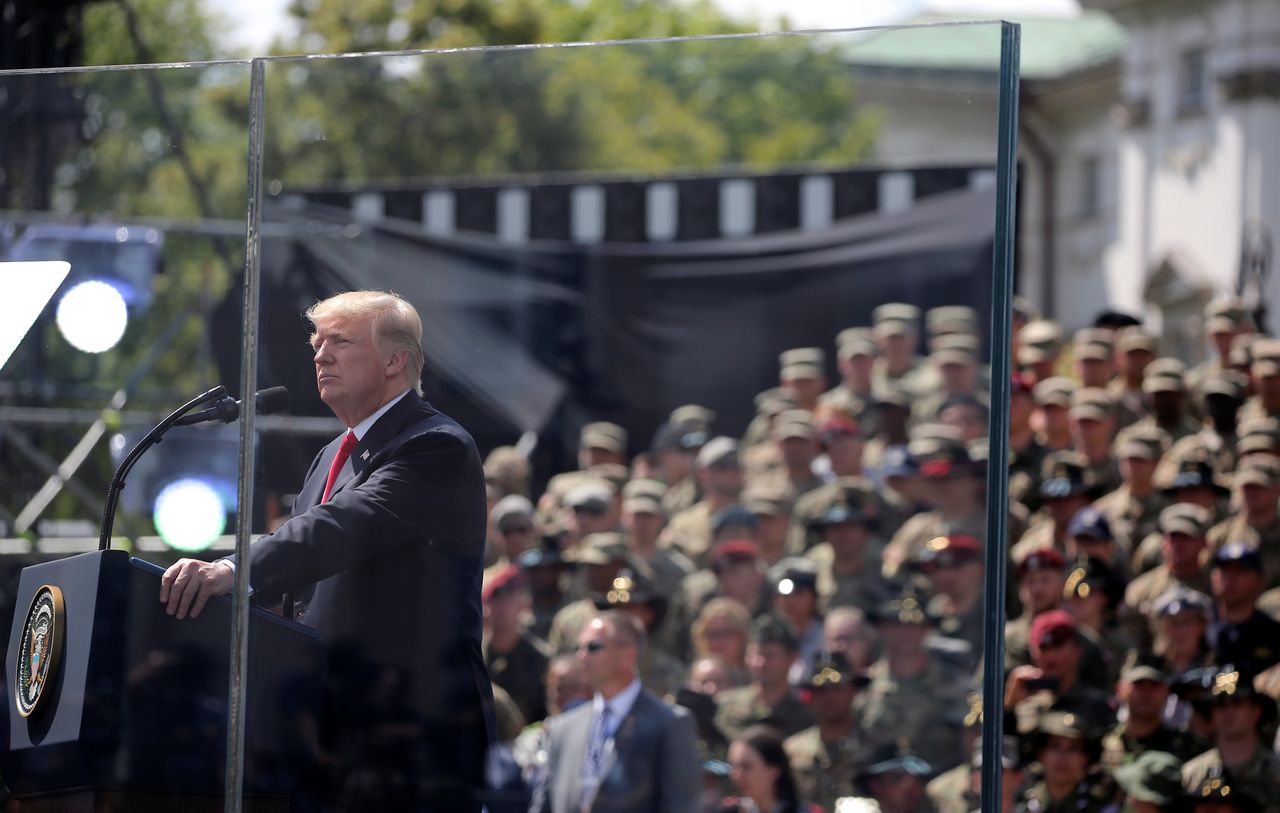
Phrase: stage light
(189,515)
(92,316)
(28,287)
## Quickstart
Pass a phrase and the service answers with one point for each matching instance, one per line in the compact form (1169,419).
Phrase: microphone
(227,409)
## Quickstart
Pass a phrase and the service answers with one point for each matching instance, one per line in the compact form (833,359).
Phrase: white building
(1149,149)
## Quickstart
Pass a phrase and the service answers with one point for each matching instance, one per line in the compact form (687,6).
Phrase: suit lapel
(383,431)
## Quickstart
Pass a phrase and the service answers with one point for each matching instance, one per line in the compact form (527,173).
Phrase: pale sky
(257,21)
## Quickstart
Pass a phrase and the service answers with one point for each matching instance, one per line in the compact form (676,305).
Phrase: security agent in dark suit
(389,528)
(626,751)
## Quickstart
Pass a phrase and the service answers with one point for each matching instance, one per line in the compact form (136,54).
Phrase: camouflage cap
(1143,441)
(1185,518)
(1227,383)
(644,497)
(764,498)
(794,423)
(1135,339)
(1092,404)
(693,416)
(1241,355)
(604,548)
(1164,375)
(1153,776)
(895,312)
(855,341)
(1224,315)
(1055,391)
(1258,470)
(1093,343)
(592,492)
(603,435)
(1043,333)
(951,319)
(802,362)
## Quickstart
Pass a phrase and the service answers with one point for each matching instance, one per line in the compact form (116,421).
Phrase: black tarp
(546,335)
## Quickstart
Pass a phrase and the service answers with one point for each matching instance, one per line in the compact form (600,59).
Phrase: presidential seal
(41,646)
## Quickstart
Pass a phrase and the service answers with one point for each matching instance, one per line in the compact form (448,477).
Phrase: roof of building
(1051,46)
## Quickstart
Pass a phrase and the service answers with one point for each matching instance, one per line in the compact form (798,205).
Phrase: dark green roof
(1051,46)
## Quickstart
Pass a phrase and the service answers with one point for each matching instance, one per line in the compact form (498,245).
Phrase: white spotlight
(189,515)
(92,316)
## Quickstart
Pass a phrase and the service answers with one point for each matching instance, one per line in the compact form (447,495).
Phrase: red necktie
(344,451)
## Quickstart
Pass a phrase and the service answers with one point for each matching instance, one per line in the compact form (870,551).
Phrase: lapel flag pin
(365,456)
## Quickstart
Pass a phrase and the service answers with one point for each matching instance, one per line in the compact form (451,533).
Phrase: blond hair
(396,324)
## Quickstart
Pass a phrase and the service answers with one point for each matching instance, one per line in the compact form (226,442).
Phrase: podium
(130,712)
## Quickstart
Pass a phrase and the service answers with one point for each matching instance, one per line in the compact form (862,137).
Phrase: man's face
(741,580)
(605,656)
(903,640)
(504,610)
(958,580)
(1258,498)
(1134,363)
(1182,551)
(798,453)
(841,634)
(1063,509)
(958,378)
(597,456)
(643,524)
(1058,661)
(967,419)
(1064,761)
(1056,419)
(856,371)
(566,684)
(674,465)
(1094,372)
(848,540)
(1236,585)
(831,703)
(1041,590)
(1236,719)
(723,477)
(1145,699)
(516,533)
(351,371)
(1021,405)
(769,662)
(771,531)
(1092,433)
(800,606)
(805,388)
(1184,631)
(845,451)
(1269,389)
(591,517)
(897,791)
(1137,471)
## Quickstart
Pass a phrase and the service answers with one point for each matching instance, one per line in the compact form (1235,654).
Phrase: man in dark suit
(626,751)
(388,532)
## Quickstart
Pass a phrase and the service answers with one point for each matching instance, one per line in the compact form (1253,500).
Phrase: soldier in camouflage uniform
(1052,414)
(1039,346)
(1151,782)
(1257,482)
(913,693)
(1064,490)
(1066,752)
(894,327)
(1224,319)
(643,518)
(675,449)
(1166,394)
(769,699)
(515,657)
(548,570)
(827,756)
(1093,427)
(1187,480)
(802,372)
(719,476)
(846,556)
(1183,527)
(1264,370)
(1144,691)
(1136,349)
(602,556)
(1133,509)
(1239,755)
(954,486)
(952,567)
(893,783)
(1026,453)
(855,357)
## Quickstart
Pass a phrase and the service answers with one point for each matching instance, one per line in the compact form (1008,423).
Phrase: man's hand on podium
(189,583)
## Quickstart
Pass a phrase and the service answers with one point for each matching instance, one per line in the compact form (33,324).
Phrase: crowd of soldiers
(823,573)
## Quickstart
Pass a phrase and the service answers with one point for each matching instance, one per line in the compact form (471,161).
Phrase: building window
(1090,186)
(1193,83)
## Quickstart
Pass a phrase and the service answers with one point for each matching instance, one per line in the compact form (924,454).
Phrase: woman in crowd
(762,775)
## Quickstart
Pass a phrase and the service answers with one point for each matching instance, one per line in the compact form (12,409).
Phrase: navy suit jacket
(395,557)
(653,766)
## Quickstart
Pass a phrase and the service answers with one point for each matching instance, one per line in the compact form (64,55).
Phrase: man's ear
(396,363)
